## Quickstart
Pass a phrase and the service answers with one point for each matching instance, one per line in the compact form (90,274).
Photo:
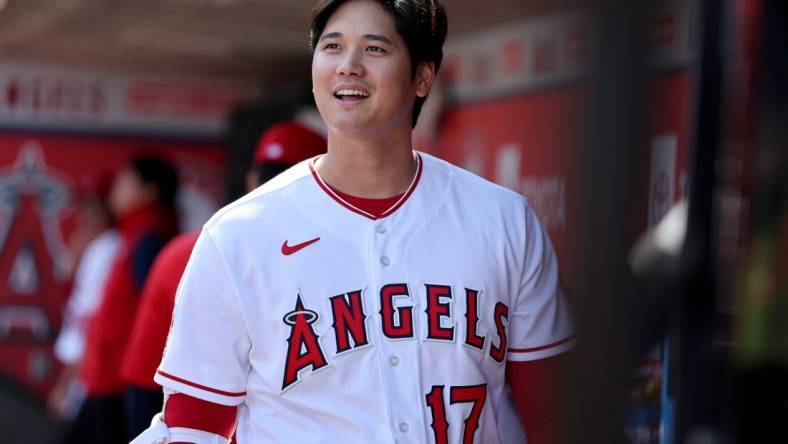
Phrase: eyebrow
(378,37)
(375,37)
(330,35)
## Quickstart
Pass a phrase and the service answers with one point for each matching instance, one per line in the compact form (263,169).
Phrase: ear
(425,75)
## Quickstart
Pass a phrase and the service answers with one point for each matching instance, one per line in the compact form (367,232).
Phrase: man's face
(129,192)
(361,72)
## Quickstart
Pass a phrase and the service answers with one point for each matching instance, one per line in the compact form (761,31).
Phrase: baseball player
(374,294)
(279,148)
(142,198)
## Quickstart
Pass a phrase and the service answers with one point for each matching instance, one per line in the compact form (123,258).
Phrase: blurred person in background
(280,147)
(93,246)
(143,200)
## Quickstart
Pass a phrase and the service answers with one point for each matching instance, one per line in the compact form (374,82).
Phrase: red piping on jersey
(199,386)
(543,347)
(357,210)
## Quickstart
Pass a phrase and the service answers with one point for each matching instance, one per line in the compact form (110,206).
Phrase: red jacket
(143,232)
(154,314)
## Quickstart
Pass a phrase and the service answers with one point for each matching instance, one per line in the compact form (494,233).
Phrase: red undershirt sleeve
(186,411)
(535,388)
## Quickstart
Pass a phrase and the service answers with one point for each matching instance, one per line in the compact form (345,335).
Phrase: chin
(361,125)
(352,126)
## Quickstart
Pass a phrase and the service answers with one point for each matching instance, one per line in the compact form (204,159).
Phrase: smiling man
(374,294)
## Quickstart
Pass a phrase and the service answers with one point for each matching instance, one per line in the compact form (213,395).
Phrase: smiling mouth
(351,95)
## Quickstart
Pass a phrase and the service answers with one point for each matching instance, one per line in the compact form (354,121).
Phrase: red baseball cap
(288,143)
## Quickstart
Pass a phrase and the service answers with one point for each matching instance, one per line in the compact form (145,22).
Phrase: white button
(380,229)
(394,361)
(385,260)
(404,427)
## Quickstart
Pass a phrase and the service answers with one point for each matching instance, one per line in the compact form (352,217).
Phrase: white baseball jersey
(326,324)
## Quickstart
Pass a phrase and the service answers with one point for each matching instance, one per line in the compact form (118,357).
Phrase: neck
(373,168)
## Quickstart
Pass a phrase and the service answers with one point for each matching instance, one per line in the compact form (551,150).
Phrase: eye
(331,46)
(377,49)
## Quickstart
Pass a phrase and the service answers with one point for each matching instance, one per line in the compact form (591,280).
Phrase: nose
(351,63)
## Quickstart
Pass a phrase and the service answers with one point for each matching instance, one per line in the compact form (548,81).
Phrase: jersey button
(380,229)
(385,260)
(394,361)
(404,427)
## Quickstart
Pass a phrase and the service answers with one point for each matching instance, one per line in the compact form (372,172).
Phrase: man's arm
(540,334)
(182,411)
(536,390)
(205,363)
(190,420)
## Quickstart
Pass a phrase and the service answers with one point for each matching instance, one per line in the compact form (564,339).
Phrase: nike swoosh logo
(287,250)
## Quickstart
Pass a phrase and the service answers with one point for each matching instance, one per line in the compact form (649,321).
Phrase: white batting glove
(159,433)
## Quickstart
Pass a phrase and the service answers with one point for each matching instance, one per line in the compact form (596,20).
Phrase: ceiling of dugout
(261,40)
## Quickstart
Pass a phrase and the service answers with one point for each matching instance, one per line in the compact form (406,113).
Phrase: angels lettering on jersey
(348,317)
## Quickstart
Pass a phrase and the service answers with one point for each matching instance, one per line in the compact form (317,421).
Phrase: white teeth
(352,92)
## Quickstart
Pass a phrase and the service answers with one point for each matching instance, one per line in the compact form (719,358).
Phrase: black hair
(421,23)
(159,173)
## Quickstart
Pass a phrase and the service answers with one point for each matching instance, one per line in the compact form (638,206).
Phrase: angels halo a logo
(32,270)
